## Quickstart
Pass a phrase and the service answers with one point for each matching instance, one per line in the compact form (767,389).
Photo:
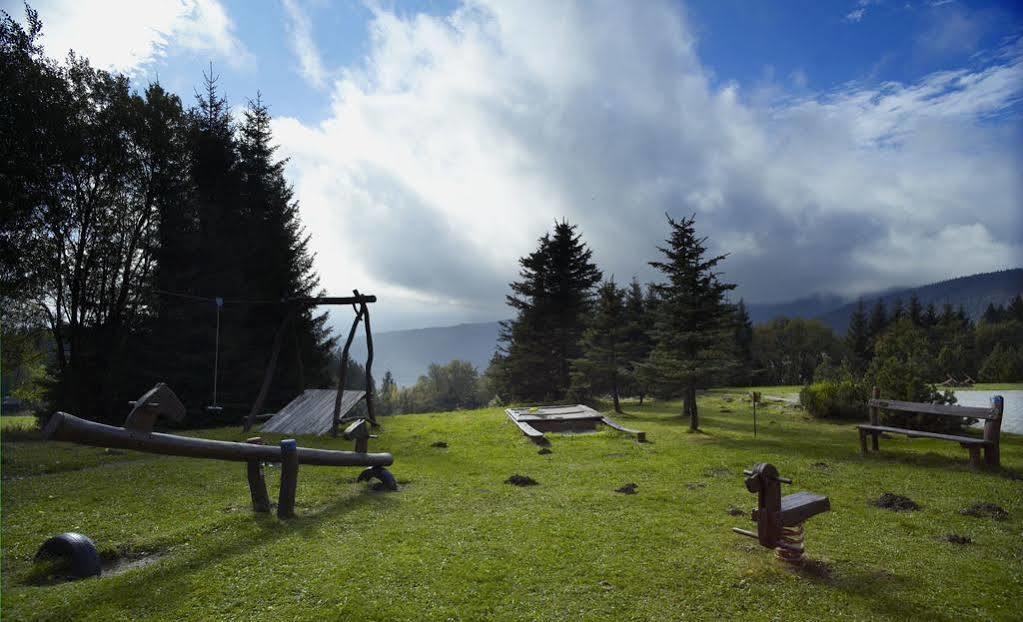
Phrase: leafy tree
(790,350)
(694,326)
(551,299)
(388,398)
(444,387)
(1004,364)
(602,366)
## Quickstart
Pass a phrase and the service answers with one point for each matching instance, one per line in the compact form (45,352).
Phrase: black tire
(381,474)
(73,550)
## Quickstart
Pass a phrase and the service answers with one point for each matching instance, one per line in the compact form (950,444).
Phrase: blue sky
(828,146)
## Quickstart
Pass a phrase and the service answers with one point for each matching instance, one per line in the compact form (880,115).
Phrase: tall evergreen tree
(694,326)
(878,321)
(636,337)
(603,365)
(916,310)
(551,300)
(857,337)
(743,343)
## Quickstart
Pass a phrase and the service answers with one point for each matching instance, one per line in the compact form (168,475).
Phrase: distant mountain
(973,292)
(408,353)
(810,306)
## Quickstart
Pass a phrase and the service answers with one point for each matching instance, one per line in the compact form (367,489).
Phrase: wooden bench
(989,442)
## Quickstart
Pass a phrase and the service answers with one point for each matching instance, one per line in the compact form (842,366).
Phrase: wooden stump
(257,483)
(289,478)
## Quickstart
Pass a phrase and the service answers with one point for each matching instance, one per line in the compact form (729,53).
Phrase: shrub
(835,399)
(1002,365)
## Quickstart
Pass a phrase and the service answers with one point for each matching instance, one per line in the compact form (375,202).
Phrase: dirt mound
(544,451)
(439,444)
(983,509)
(521,480)
(895,503)
(734,511)
(955,538)
(628,489)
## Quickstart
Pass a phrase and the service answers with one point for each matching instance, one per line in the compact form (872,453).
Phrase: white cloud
(855,15)
(302,44)
(462,139)
(127,35)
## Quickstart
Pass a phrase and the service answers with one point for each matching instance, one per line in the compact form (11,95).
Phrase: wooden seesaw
(160,401)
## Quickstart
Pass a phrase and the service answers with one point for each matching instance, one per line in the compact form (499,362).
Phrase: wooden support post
(289,478)
(992,432)
(875,418)
(257,483)
(268,375)
(863,442)
(343,373)
(974,455)
(369,366)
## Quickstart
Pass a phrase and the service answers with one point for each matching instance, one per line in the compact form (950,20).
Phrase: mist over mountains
(408,353)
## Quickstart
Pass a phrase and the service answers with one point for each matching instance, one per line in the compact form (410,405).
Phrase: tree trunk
(614,396)
(689,408)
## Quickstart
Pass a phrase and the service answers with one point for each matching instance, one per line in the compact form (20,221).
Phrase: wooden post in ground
(342,377)
(369,364)
(289,478)
(257,483)
(992,431)
(268,375)
(875,417)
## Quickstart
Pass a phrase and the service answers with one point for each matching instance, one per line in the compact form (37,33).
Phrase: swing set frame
(360,303)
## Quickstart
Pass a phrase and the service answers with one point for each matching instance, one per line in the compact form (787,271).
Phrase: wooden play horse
(780,519)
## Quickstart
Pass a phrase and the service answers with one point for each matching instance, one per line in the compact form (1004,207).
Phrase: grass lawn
(17,422)
(457,543)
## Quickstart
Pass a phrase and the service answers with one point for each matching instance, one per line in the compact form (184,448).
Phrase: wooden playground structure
(535,421)
(138,435)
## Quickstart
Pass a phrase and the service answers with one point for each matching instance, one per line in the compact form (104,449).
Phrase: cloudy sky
(841,146)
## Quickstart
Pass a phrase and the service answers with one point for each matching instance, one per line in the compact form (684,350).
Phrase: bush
(835,399)
(1002,365)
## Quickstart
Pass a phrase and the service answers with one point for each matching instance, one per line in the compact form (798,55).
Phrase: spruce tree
(693,329)
(551,302)
(916,310)
(878,321)
(602,367)
(857,336)
(636,338)
(743,343)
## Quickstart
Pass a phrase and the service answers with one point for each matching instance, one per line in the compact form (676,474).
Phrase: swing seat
(214,410)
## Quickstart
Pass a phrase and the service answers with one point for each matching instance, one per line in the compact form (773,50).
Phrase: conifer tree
(602,367)
(916,310)
(878,321)
(693,329)
(551,300)
(637,337)
(857,337)
(743,343)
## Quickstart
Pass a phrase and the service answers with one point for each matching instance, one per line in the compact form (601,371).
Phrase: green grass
(17,422)
(456,543)
(994,386)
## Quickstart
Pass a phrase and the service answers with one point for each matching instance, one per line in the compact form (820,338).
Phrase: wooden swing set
(360,304)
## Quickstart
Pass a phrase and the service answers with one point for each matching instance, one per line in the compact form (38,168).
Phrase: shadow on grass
(166,582)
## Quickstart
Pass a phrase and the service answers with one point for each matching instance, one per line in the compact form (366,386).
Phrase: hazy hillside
(407,353)
(974,292)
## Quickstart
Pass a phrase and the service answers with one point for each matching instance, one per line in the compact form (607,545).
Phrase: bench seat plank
(965,440)
(935,409)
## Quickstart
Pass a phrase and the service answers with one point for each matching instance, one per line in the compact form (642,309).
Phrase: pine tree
(636,338)
(602,366)
(992,314)
(743,343)
(857,337)
(931,316)
(551,301)
(878,321)
(898,310)
(916,310)
(693,329)
(388,400)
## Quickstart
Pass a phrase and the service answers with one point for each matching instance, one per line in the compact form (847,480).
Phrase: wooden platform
(312,412)
(535,421)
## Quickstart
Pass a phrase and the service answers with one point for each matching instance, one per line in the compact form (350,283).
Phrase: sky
(829,147)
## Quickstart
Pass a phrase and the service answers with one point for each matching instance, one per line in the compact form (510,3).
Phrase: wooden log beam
(343,373)
(268,375)
(257,483)
(66,427)
(335,300)
(369,364)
